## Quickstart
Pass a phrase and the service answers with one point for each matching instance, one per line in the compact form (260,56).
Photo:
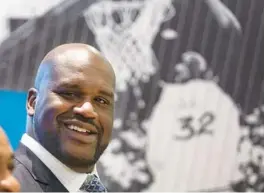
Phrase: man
(7,181)
(70,118)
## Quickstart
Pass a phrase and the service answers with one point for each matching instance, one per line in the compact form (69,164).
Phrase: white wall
(22,9)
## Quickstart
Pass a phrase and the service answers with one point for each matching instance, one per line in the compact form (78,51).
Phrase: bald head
(68,54)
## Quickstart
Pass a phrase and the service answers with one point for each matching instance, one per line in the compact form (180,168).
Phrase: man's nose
(86,110)
(10,184)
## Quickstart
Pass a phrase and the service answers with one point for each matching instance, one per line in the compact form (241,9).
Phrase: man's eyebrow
(107,93)
(75,86)
(67,85)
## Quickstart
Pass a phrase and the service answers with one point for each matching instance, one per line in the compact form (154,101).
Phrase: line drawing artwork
(175,61)
(120,30)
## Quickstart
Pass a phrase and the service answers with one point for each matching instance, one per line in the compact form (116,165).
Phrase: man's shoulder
(23,171)
(23,159)
(33,174)
(25,177)
(27,162)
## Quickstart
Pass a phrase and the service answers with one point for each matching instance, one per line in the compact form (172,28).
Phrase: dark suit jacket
(33,174)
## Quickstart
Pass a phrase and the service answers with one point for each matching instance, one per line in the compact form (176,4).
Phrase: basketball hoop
(125,32)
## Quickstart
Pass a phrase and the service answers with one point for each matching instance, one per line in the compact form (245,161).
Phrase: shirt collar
(71,180)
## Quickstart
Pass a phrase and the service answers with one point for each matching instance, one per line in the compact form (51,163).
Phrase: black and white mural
(190,87)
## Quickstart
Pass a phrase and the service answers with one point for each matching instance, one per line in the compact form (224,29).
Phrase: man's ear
(31,101)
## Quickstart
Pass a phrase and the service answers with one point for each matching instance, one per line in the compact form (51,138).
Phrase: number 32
(205,120)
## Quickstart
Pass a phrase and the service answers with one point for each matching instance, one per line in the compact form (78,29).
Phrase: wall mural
(189,101)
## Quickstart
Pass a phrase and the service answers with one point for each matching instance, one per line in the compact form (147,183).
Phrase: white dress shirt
(70,179)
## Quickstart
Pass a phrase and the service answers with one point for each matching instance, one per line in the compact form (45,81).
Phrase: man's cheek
(107,134)
(54,107)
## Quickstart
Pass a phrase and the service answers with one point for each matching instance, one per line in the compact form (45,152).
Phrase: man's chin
(81,159)
(79,164)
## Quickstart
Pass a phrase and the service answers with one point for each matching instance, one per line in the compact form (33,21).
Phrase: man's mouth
(79,129)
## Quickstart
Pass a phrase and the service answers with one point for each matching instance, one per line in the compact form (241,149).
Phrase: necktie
(92,184)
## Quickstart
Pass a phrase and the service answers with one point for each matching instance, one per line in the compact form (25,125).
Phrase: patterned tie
(92,184)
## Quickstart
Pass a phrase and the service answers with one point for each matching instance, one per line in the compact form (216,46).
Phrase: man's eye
(70,94)
(101,100)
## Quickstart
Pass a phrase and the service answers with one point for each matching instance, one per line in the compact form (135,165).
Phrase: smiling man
(70,118)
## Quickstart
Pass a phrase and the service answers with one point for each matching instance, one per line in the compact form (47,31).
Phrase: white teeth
(76,128)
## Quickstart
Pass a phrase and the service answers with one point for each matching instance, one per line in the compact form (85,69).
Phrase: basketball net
(124,32)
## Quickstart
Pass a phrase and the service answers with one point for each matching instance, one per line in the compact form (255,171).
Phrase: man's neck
(88,170)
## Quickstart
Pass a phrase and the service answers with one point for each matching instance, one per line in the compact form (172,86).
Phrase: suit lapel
(39,171)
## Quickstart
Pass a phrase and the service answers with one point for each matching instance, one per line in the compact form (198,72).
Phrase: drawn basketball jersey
(192,137)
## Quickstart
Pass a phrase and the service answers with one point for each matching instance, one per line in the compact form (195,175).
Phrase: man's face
(7,181)
(73,111)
